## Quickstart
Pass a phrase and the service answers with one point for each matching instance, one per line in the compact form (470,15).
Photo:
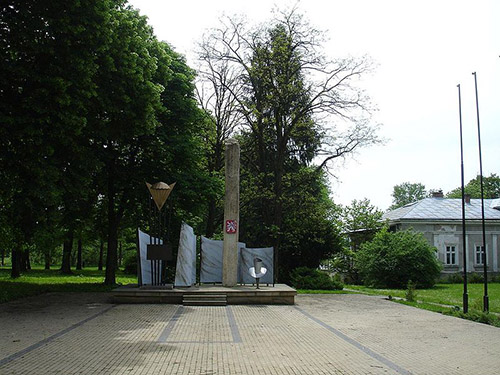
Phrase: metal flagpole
(464,238)
(485,267)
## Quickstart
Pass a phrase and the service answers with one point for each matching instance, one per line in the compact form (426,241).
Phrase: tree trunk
(120,255)
(67,249)
(16,269)
(22,261)
(210,230)
(101,255)
(27,262)
(111,256)
(47,260)
(112,250)
(2,252)
(79,255)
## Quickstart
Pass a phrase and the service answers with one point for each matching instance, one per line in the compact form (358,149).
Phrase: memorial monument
(228,270)
(231,214)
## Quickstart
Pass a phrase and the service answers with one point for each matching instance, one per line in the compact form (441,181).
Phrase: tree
(359,223)
(361,215)
(406,193)
(215,77)
(491,188)
(48,61)
(144,128)
(392,259)
(294,101)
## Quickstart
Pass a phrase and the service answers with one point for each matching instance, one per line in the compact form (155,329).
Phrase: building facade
(440,221)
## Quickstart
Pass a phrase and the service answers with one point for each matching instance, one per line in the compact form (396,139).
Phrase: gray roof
(445,209)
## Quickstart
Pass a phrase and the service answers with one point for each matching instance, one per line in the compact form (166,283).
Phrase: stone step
(204,295)
(204,300)
(204,303)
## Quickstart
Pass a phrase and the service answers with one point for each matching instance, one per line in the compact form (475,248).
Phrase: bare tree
(217,90)
(294,102)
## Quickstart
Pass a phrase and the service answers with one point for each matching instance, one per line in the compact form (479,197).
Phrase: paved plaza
(321,334)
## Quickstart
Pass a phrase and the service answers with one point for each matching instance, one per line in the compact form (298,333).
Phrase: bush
(455,278)
(392,259)
(475,278)
(476,316)
(411,294)
(310,278)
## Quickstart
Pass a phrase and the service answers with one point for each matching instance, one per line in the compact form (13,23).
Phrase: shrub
(475,278)
(411,294)
(310,278)
(392,259)
(455,278)
(476,316)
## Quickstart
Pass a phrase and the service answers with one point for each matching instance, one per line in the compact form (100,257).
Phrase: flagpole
(464,238)
(485,267)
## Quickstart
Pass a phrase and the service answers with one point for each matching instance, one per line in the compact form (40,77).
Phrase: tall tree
(406,193)
(144,127)
(294,101)
(48,61)
(215,78)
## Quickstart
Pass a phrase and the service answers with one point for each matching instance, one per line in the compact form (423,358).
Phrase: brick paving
(321,334)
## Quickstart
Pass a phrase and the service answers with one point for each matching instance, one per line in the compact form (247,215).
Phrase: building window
(451,255)
(479,255)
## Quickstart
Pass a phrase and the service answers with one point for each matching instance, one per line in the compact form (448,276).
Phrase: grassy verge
(446,294)
(447,299)
(312,291)
(38,281)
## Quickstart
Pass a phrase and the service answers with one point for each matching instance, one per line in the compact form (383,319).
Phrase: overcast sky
(423,49)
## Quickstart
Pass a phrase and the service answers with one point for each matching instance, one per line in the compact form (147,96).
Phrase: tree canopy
(407,192)
(491,188)
(92,106)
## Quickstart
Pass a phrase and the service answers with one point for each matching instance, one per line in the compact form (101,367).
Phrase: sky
(422,51)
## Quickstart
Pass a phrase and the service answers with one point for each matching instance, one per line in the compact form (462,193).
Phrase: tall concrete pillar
(231,214)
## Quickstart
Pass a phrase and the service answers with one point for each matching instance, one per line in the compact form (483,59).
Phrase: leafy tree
(48,61)
(359,223)
(392,259)
(491,188)
(361,215)
(407,192)
(143,127)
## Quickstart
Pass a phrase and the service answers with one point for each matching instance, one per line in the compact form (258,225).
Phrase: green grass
(310,291)
(446,294)
(38,281)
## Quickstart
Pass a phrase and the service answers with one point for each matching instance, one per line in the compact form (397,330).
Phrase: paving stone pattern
(324,334)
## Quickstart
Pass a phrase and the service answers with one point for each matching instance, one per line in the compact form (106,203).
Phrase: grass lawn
(319,291)
(38,281)
(447,294)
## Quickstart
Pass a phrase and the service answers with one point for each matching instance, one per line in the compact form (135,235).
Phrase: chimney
(467,198)
(437,194)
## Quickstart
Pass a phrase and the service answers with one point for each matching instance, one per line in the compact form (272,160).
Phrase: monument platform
(208,295)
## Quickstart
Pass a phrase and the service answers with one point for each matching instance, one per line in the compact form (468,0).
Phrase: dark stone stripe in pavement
(234,327)
(235,333)
(30,348)
(171,324)
(353,342)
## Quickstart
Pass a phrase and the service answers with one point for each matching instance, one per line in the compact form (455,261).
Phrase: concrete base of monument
(208,295)
(157,287)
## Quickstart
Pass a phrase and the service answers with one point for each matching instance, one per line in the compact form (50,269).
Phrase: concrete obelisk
(231,214)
